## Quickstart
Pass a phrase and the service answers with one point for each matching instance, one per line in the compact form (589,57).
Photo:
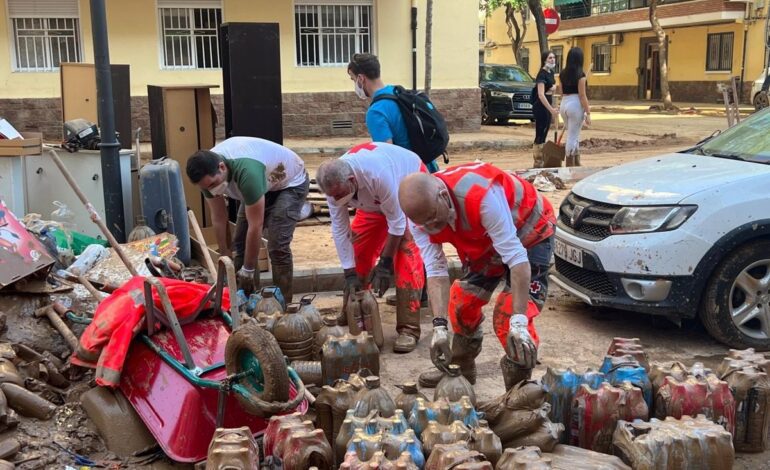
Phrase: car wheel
(761,100)
(736,307)
(486,119)
(502,120)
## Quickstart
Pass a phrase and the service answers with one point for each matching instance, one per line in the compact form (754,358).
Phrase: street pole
(414,45)
(109,147)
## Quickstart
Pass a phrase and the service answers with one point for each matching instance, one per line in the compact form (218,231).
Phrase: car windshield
(749,140)
(504,74)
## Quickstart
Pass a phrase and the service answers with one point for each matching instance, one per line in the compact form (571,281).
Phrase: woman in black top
(542,107)
(574,104)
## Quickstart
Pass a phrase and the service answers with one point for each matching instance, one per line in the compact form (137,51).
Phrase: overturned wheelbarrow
(205,372)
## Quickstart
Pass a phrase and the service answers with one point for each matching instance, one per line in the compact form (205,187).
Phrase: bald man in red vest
(502,228)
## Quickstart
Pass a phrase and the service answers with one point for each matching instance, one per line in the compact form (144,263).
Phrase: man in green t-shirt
(271,183)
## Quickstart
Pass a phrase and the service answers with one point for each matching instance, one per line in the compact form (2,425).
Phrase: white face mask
(359,90)
(343,201)
(219,190)
(550,66)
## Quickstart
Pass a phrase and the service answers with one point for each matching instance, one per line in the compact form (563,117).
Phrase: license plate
(523,105)
(568,253)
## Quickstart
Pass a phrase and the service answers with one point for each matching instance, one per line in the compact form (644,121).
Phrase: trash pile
(188,367)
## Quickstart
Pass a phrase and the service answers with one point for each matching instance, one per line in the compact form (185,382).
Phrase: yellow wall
(687,52)
(133,33)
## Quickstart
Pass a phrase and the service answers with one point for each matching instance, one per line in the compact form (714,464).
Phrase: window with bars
(41,44)
(329,35)
(190,37)
(558,51)
(482,34)
(524,54)
(600,57)
(719,53)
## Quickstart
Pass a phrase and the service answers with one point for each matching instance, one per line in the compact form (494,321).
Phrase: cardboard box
(210,243)
(31,144)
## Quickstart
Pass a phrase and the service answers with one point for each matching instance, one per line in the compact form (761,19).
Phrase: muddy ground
(573,334)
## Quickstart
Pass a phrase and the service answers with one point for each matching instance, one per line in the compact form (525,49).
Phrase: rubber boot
(465,350)
(283,278)
(577,160)
(407,319)
(537,156)
(512,373)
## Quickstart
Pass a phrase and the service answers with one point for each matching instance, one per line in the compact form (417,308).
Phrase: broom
(140,230)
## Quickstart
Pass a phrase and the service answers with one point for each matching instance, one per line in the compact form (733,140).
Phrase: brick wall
(304,114)
(642,14)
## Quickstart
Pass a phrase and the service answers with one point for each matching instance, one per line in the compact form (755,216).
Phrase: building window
(600,58)
(45,34)
(329,35)
(524,53)
(190,37)
(719,53)
(558,51)
(482,34)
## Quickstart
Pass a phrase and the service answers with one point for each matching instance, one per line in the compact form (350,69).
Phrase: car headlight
(650,219)
(502,94)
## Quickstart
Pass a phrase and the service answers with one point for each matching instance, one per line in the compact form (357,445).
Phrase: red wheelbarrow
(205,372)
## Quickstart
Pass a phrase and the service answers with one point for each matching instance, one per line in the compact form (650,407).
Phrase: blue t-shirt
(385,122)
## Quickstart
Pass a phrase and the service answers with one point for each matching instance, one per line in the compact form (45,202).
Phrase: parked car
(683,235)
(505,93)
(759,100)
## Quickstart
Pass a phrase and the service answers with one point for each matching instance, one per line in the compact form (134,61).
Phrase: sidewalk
(625,121)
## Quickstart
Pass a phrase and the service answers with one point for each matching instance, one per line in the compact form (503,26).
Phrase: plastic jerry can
(348,354)
(364,315)
(596,412)
(673,444)
(163,202)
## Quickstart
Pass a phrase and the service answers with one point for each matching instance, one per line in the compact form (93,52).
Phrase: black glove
(245,280)
(382,275)
(352,282)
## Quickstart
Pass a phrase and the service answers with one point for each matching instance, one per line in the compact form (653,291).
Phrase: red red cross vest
(468,184)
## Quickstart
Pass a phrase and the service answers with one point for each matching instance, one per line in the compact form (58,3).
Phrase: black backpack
(426,127)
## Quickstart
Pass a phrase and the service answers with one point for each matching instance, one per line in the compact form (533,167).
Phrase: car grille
(594,221)
(521,97)
(594,281)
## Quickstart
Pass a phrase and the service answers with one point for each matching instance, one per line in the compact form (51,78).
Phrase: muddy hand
(352,282)
(245,280)
(440,352)
(520,347)
(382,276)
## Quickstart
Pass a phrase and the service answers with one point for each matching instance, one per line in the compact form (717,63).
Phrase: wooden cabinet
(182,122)
(79,99)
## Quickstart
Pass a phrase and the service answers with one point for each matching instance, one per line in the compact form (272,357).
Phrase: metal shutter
(43,8)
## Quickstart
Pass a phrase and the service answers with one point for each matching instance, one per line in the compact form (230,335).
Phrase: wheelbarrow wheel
(251,348)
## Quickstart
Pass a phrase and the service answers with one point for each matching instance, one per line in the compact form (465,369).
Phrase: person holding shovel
(367,178)
(271,183)
(502,228)
(542,107)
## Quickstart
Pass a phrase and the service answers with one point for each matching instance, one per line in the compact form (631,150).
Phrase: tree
(428,45)
(516,32)
(665,91)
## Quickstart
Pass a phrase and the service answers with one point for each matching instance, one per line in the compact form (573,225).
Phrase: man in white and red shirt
(502,228)
(367,178)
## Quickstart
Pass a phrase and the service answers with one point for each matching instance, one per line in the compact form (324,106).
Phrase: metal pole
(110,147)
(414,45)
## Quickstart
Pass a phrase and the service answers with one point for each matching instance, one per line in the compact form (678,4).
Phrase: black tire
(761,101)
(486,119)
(723,294)
(252,339)
(502,121)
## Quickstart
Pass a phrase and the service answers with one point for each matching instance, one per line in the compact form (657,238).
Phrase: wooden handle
(199,235)
(94,215)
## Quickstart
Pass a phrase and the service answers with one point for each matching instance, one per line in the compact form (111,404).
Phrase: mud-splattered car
(683,235)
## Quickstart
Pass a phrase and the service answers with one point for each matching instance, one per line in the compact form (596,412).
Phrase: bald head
(332,174)
(418,196)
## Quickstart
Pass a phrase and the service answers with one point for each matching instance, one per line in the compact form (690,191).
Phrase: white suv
(683,234)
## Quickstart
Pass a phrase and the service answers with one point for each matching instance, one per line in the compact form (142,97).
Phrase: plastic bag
(88,259)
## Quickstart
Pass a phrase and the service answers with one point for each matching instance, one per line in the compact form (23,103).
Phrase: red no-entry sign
(551,20)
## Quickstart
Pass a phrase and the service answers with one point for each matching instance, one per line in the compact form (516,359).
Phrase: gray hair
(333,173)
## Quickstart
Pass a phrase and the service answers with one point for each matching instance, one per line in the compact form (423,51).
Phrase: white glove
(440,352)
(520,346)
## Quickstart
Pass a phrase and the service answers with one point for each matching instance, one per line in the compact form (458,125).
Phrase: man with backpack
(398,116)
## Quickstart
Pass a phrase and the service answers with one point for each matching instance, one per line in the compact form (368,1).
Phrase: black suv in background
(505,93)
